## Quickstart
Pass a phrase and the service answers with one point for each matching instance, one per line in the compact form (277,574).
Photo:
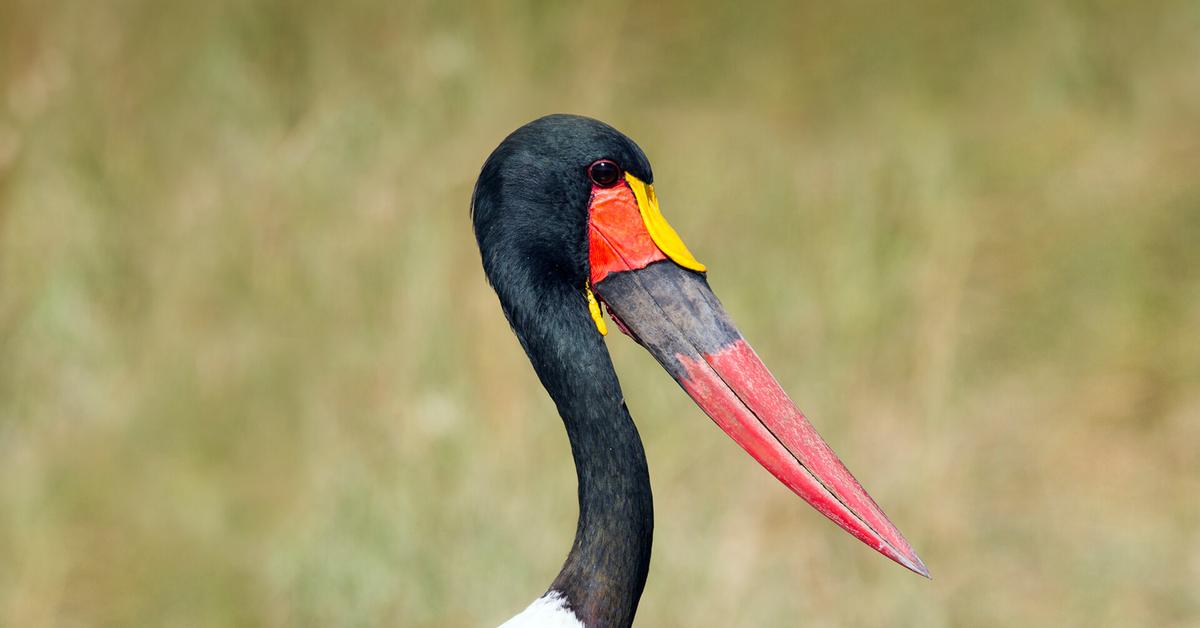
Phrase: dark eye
(604,173)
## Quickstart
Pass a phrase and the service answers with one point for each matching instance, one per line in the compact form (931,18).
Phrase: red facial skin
(617,236)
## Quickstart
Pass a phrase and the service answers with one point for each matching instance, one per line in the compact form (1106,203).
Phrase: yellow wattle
(594,309)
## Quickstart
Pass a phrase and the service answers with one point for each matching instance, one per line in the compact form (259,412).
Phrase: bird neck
(605,572)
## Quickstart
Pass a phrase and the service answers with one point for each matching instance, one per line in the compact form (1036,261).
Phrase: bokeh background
(251,374)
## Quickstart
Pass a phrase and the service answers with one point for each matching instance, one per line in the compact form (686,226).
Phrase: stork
(567,220)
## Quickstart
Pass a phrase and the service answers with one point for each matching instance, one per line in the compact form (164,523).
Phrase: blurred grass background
(251,374)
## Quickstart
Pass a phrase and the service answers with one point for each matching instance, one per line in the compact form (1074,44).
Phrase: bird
(569,226)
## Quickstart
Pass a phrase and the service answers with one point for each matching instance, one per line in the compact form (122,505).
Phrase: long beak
(672,312)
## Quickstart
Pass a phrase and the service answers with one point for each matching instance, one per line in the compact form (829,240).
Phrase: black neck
(605,572)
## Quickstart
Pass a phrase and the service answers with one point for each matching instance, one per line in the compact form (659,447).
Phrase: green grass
(251,374)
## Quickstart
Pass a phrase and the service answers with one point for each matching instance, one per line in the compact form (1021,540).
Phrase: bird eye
(604,173)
